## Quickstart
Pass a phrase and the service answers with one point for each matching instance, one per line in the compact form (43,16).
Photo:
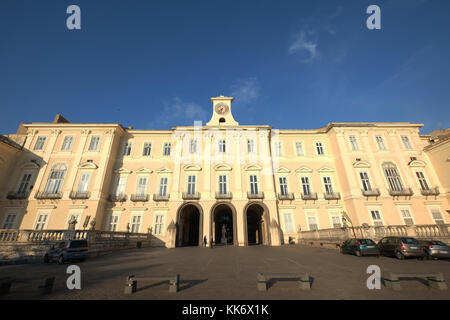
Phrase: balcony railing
(227,195)
(286,196)
(310,196)
(332,195)
(371,193)
(48,195)
(407,192)
(160,197)
(258,195)
(139,197)
(80,195)
(16,195)
(430,192)
(117,197)
(191,196)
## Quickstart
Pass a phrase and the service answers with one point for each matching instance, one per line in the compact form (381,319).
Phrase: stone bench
(435,279)
(301,277)
(131,282)
(44,288)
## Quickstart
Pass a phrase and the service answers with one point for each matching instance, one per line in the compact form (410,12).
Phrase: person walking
(205,242)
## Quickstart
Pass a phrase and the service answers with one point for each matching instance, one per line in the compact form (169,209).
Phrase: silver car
(436,249)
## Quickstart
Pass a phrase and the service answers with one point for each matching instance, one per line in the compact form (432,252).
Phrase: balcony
(40,195)
(139,197)
(224,196)
(286,196)
(79,195)
(191,196)
(258,195)
(310,196)
(160,197)
(14,195)
(407,192)
(430,192)
(117,197)
(332,195)
(371,193)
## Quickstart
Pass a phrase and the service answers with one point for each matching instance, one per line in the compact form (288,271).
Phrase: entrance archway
(223,226)
(256,221)
(189,226)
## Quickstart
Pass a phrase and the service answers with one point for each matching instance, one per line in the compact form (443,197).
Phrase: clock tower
(222,112)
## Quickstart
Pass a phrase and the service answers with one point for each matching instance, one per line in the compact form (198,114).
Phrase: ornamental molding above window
(326,169)
(87,165)
(417,163)
(252,167)
(282,170)
(143,170)
(122,171)
(304,169)
(222,167)
(164,170)
(28,165)
(192,167)
(361,164)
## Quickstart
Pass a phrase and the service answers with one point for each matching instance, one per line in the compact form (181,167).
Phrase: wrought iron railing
(191,196)
(227,195)
(80,195)
(371,193)
(48,195)
(406,192)
(117,197)
(159,197)
(286,196)
(258,195)
(332,195)
(139,197)
(310,196)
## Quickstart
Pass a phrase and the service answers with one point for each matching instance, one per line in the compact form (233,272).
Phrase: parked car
(435,249)
(401,247)
(67,251)
(360,247)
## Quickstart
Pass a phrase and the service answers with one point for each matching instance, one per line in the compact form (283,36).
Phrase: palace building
(235,184)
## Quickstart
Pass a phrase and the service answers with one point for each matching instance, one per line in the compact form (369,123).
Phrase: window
(327,184)
(135,224)
(312,223)
(406,142)
(253,184)
(83,184)
(222,146)
(159,224)
(166,151)
(288,224)
(376,217)
(277,149)
(380,143)
(422,181)
(407,217)
(141,186)
(299,148)
(191,185)
(319,148)
(113,222)
(127,149)
(24,183)
(223,184)
(41,222)
(93,146)
(365,181)
(250,146)
(55,179)
(336,221)
(305,186)
(394,181)
(9,221)
(437,216)
(354,143)
(193,146)
(120,188)
(283,186)
(67,143)
(163,186)
(147,149)
(40,143)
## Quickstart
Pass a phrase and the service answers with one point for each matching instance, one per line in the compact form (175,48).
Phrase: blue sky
(289,64)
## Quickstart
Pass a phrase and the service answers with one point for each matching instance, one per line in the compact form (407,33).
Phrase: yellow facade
(305,179)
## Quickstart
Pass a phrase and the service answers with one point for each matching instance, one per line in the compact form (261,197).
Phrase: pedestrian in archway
(205,242)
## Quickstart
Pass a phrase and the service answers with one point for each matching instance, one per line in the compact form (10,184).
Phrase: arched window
(56,178)
(392,176)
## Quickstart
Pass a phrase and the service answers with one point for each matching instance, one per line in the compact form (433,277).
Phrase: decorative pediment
(222,167)
(164,170)
(252,167)
(29,165)
(417,163)
(326,169)
(122,171)
(143,170)
(87,165)
(361,164)
(304,169)
(192,167)
(282,170)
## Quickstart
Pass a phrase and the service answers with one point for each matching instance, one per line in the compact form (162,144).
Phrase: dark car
(67,251)
(401,247)
(360,247)
(435,249)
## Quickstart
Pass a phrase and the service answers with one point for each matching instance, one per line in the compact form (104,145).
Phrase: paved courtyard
(228,273)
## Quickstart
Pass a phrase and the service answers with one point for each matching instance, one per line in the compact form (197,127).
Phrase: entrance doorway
(223,226)
(189,227)
(256,229)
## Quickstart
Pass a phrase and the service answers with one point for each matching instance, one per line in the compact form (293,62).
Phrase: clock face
(221,108)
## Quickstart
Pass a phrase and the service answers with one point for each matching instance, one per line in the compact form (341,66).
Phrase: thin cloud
(245,91)
(178,111)
(304,45)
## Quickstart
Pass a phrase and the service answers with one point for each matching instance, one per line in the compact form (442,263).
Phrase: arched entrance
(189,226)
(256,218)
(223,224)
